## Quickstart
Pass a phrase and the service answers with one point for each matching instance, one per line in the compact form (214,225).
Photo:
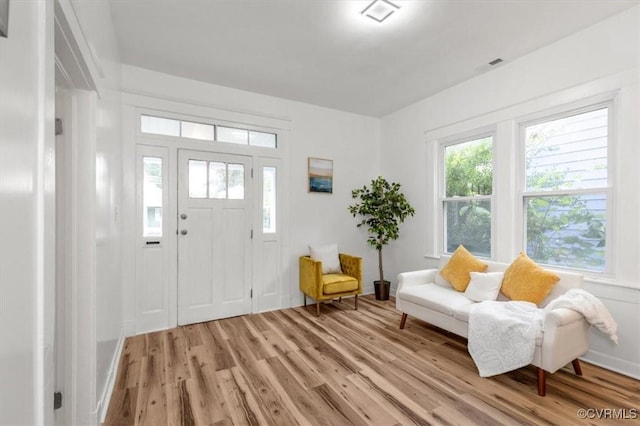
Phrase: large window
(468,189)
(566,189)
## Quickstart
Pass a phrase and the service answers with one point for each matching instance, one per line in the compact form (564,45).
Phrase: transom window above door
(216,180)
(207,132)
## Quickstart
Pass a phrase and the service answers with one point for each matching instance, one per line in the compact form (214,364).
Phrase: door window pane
(232,135)
(217,180)
(197,179)
(159,125)
(266,140)
(152,197)
(197,131)
(236,181)
(269,200)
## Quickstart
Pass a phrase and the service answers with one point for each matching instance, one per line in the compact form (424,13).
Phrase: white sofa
(427,296)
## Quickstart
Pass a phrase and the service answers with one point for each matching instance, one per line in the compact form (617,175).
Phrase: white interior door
(214,236)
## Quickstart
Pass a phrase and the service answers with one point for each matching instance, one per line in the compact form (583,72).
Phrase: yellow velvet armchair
(330,286)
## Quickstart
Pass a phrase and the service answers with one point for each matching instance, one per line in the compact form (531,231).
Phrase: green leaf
(382,207)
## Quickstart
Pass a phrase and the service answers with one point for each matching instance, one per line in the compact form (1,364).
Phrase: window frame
(556,114)
(460,138)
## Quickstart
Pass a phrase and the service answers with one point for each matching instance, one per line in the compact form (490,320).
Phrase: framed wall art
(4,18)
(320,175)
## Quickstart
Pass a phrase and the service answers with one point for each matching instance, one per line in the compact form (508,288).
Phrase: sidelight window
(269,199)
(152,197)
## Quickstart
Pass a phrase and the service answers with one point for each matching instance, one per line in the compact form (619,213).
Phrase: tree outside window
(468,190)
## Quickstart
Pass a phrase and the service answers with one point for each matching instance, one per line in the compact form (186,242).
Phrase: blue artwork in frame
(4,17)
(320,175)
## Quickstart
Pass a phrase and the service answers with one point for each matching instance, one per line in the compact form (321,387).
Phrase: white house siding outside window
(566,191)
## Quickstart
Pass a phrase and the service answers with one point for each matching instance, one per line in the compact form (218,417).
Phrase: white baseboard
(612,363)
(103,403)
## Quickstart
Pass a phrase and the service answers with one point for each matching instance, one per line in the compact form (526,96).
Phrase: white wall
(351,140)
(353,143)
(600,59)
(27,215)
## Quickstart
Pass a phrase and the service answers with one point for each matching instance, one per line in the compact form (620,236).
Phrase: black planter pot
(382,289)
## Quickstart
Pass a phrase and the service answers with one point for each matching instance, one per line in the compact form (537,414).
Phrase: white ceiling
(324,52)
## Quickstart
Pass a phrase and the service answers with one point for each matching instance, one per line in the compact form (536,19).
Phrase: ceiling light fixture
(379,10)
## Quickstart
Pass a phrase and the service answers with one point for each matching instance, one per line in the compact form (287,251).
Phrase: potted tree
(382,208)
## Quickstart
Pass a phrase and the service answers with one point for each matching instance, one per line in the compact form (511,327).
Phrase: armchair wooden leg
(403,320)
(317,309)
(576,367)
(542,382)
(305,300)
(339,299)
(356,302)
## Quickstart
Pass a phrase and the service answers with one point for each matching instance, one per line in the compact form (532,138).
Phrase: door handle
(183,216)
(184,232)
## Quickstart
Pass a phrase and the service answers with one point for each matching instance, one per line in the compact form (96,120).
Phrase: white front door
(214,236)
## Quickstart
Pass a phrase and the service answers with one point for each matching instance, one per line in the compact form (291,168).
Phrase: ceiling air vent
(489,65)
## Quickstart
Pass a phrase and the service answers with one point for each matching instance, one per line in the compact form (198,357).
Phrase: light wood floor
(345,367)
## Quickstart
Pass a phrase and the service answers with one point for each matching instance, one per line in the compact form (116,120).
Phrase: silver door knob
(183,232)
(183,216)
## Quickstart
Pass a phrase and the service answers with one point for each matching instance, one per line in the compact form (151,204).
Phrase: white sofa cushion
(434,297)
(328,255)
(441,281)
(462,313)
(484,286)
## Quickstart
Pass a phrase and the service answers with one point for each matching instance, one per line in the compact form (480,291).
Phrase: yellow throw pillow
(525,280)
(458,270)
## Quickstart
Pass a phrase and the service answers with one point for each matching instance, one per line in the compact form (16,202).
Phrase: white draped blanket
(590,307)
(502,335)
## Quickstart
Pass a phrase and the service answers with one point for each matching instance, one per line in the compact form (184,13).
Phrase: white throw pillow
(328,255)
(484,286)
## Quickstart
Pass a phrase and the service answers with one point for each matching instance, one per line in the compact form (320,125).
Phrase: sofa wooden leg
(403,320)
(542,382)
(356,302)
(317,309)
(576,367)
